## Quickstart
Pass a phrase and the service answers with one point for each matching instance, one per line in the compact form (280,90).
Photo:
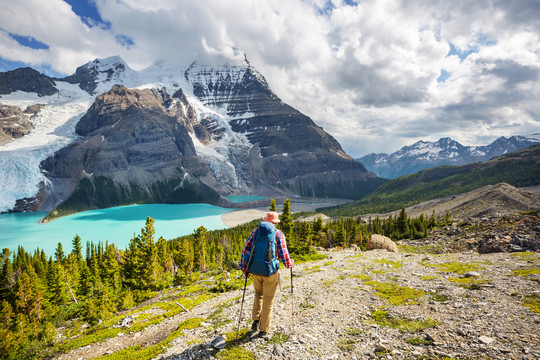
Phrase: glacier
(54,128)
(54,125)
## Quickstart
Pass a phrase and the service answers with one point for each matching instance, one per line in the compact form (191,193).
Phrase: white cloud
(366,72)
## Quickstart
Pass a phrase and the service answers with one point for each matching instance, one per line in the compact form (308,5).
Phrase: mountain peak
(445,151)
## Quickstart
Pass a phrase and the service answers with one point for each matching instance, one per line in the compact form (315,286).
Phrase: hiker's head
(272,217)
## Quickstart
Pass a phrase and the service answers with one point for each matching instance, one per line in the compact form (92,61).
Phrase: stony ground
(330,314)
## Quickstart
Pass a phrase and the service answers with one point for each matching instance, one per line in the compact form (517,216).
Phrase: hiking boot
(264,335)
(255,325)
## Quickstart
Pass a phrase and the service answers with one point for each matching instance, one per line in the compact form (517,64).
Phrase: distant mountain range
(445,151)
(520,168)
(166,134)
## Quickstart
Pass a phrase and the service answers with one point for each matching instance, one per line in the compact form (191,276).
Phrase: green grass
(150,352)
(383,318)
(302,258)
(525,272)
(234,350)
(532,302)
(346,344)
(362,277)
(527,256)
(417,341)
(429,277)
(313,269)
(439,297)
(395,294)
(235,353)
(469,283)
(277,338)
(457,267)
(104,331)
(408,249)
(216,316)
(392,263)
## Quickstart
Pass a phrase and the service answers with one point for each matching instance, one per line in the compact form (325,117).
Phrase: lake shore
(239,217)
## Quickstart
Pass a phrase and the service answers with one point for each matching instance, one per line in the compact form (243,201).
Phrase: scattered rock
(279,351)
(382,242)
(486,340)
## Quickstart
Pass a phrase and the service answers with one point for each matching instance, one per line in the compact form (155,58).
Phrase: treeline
(38,294)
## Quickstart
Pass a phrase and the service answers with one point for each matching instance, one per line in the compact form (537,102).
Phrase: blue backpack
(261,258)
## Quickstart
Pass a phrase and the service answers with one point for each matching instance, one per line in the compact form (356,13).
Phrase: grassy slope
(521,168)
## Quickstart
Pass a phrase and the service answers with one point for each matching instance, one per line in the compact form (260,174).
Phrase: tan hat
(272,217)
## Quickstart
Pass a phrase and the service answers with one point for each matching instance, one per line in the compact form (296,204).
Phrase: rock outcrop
(14,123)
(381,242)
(28,80)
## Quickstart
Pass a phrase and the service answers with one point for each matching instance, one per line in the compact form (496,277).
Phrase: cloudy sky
(376,74)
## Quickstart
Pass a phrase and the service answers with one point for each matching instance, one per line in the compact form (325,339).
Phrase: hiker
(264,241)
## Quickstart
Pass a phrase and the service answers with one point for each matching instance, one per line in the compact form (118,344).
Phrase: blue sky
(376,74)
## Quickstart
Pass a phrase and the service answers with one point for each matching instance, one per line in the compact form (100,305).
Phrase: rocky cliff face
(28,80)
(134,150)
(424,154)
(15,123)
(290,150)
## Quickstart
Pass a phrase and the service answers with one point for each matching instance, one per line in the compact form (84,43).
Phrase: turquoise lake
(116,225)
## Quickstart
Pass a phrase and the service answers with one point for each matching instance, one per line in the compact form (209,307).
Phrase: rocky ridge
(491,201)
(27,80)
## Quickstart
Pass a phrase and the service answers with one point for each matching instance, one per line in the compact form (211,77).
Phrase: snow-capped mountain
(425,154)
(168,133)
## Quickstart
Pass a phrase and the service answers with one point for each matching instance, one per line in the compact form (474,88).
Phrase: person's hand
(292,262)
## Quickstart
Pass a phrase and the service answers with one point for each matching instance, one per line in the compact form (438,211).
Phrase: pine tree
(57,285)
(59,254)
(7,279)
(151,270)
(110,273)
(318,225)
(7,323)
(272,205)
(77,247)
(199,248)
(402,225)
(286,224)
(29,297)
(340,236)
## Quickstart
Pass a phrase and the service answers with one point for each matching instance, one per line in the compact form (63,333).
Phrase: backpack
(261,258)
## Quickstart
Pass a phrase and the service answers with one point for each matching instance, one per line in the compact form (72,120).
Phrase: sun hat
(272,217)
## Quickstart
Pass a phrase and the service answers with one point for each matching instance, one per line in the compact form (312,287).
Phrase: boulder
(382,242)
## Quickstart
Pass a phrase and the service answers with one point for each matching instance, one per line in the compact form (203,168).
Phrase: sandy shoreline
(238,217)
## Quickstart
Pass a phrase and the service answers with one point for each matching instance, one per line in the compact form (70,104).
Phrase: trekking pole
(241,307)
(292,300)
(245,284)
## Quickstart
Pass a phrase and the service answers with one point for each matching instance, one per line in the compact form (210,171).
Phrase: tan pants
(265,290)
